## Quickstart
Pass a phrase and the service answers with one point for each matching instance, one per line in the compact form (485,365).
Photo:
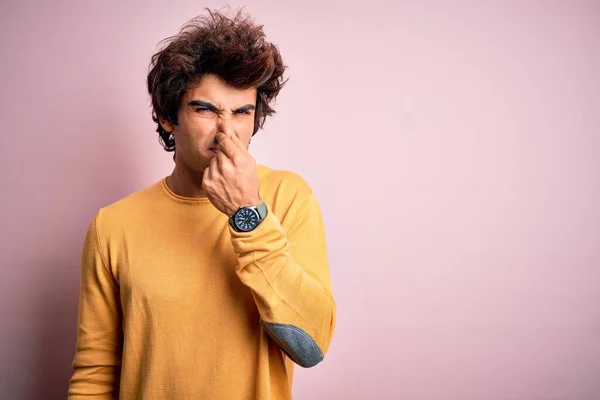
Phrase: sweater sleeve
(98,352)
(285,265)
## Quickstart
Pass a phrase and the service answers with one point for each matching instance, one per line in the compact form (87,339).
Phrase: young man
(213,282)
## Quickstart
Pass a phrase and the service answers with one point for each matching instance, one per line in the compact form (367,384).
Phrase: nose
(225,125)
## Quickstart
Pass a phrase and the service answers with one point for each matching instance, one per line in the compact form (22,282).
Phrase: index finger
(239,143)
(228,147)
(231,144)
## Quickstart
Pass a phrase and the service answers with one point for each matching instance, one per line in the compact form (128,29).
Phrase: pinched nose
(226,125)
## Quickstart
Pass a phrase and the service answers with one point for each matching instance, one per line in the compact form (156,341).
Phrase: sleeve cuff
(268,235)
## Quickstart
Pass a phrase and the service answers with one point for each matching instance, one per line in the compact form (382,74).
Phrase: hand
(231,181)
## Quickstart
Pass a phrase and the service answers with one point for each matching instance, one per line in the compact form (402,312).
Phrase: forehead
(214,90)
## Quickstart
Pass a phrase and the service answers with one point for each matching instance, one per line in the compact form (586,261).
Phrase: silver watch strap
(262,210)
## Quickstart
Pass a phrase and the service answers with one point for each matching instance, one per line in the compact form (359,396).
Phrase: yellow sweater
(175,304)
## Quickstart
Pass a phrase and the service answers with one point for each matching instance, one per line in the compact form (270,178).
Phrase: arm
(285,264)
(99,337)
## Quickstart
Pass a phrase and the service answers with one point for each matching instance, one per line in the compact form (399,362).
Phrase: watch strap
(262,210)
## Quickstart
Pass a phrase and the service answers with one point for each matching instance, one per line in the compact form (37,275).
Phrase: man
(213,282)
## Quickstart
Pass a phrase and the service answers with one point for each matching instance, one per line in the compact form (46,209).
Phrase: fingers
(222,161)
(227,145)
(231,145)
(239,143)
(212,168)
(205,176)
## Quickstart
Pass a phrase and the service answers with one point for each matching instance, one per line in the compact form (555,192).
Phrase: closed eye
(201,106)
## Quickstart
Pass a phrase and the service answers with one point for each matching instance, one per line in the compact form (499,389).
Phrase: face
(206,109)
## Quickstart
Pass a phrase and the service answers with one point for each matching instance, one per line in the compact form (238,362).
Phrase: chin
(198,165)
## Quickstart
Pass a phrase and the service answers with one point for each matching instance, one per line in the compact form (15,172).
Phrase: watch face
(246,219)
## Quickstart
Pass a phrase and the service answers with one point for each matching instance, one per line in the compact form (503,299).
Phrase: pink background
(454,147)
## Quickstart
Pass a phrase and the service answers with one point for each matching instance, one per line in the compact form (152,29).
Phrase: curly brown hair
(234,49)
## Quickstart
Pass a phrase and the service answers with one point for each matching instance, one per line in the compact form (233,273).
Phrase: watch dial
(246,220)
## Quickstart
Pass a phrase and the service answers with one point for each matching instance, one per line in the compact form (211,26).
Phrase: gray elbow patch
(295,343)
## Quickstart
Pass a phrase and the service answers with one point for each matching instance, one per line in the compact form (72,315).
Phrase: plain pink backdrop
(454,147)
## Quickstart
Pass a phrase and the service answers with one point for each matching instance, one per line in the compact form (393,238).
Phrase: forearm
(296,310)
(97,361)
(94,382)
(291,286)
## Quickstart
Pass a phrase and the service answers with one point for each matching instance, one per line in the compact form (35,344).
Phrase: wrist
(246,203)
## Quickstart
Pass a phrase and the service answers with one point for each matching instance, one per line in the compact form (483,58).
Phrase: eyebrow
(212,107)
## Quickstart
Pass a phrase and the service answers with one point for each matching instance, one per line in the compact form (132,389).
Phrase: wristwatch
(247,218)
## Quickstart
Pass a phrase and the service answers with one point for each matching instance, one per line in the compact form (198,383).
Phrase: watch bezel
(256,210)
(241,209)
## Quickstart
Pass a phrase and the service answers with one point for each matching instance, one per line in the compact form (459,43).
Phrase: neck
(185,182)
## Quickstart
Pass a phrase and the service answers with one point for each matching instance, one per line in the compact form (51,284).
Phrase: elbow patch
(295,343)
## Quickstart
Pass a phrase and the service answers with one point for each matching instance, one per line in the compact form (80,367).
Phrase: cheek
(245,128)
(198,131)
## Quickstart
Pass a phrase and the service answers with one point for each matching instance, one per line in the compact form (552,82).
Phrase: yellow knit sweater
(175,304)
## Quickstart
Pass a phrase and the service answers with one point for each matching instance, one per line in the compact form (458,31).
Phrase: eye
(202,109)
(244,112)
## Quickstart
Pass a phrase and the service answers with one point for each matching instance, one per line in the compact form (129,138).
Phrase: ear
(166,125)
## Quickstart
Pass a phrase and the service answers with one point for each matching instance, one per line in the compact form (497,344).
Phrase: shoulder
(288,194)
(131,208)
(283,182)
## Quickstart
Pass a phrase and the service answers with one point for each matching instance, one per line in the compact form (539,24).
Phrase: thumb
(205,176)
